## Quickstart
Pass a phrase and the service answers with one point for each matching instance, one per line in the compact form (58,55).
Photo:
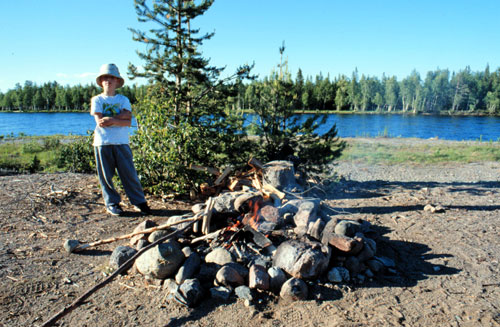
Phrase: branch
(120,269)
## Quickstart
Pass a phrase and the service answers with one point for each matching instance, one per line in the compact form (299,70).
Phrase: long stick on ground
(120,269)
(125,236)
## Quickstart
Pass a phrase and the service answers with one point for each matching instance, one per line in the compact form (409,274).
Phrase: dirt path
(447,264)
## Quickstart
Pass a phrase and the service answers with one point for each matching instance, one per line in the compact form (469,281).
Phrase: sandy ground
(447,264)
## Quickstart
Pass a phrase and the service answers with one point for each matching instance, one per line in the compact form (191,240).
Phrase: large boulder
(161,261)
(302,260)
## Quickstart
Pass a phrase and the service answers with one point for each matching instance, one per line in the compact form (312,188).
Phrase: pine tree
(185,118)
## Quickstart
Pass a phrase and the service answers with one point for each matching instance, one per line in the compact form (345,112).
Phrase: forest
(440,92)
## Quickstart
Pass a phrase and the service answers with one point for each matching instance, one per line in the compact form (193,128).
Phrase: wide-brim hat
(109,69)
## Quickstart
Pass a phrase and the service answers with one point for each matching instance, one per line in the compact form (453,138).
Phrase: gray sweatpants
(117,157)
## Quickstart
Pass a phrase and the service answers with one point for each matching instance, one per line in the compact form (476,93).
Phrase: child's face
(109,80)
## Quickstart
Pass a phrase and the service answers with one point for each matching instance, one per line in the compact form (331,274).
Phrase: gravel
(446,173)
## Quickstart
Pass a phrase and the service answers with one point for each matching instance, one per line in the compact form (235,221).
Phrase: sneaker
(144,208)
(114,209)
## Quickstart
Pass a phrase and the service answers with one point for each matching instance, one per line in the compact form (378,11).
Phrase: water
(352,125)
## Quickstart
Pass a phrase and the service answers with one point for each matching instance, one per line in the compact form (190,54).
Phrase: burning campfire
(257,232)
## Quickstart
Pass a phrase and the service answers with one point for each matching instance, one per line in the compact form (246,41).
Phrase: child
(113,116)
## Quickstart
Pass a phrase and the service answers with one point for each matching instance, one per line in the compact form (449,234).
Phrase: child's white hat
(109,69)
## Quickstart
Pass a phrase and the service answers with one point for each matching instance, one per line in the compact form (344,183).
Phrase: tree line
(440,92)
(52,96)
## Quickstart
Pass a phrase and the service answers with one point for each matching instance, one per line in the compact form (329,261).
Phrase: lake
(348,125)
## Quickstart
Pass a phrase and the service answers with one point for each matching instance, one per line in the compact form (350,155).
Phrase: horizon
(60,41)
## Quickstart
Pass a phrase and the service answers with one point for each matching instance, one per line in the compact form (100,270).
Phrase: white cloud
(63,75)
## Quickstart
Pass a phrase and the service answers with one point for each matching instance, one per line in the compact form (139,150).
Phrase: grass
(32,153)
(421,154)
(40,153)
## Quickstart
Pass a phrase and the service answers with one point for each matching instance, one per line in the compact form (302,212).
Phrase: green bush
(51,143)
(31,147)
(164,149)
(77,156)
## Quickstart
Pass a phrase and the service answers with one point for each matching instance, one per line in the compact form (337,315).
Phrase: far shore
(480,113)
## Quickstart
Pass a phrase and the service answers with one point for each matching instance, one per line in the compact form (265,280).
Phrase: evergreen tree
(391,93)
(354,91)
(183,120)
(283,136)
(299,90)
(342,99)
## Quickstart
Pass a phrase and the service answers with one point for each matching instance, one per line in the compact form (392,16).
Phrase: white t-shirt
(110,106)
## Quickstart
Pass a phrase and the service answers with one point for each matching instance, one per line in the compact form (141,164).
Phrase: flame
(253,218)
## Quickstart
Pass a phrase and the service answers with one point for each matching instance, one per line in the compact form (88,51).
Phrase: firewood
(256,163)
(210,170)
(207,216)
(81,247)
(273,190)
(222,176)
(209,236)
(256,182)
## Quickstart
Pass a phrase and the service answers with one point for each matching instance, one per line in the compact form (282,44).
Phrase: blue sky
(67,40)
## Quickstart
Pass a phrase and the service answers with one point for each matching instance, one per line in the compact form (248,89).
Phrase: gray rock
(387,262)
(141,244)
(338,275)
(353,265)
(242,270)
(277,278)
(261,260)
(302,260)
(189,293)
(175,219)
(306,214)
(242,202)
(146,224)
(292,206)
(375,265)
(187,251)
(156,235)
(244,292)
(120,255)
(328,230)
(70,245)
(348,228)
(258,278)
(228,276)
(294,289)
(170,286)
(188,268)
(315,229)
(221,293)
(224,203)
(368,250)
(280,174)
(161,261)
(219,256)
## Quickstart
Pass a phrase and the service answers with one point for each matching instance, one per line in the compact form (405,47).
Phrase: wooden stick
(146,231)
(120,269)
(210,170)
(207,237)
(271,189)
(222,176)
(256,163)
(207,216)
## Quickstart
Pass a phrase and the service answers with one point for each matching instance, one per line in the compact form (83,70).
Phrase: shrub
(31,147)
(78,156)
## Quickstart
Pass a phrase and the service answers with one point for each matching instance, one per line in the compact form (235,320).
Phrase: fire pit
(259,231)
(261,234)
